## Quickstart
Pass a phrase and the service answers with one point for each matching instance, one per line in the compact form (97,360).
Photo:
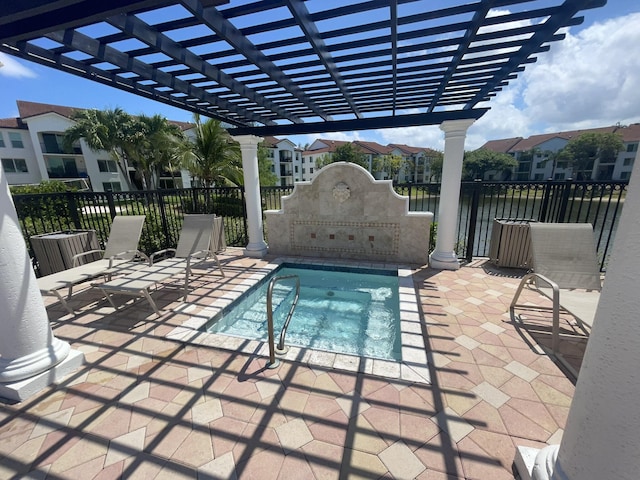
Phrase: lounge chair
(565,270)
(117,256)
(193,249)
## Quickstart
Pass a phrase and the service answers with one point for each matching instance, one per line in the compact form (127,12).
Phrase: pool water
(343,310)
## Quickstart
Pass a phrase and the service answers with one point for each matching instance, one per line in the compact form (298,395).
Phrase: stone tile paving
(145,406)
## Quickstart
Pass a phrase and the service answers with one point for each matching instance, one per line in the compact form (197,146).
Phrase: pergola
(286,67)
(283,67)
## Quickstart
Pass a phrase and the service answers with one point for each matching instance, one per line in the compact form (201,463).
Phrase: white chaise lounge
(118,255)
(193,248)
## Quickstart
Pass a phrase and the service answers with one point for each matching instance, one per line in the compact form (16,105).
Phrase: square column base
(524,461)
(23,389)
(444,261)
(258,250)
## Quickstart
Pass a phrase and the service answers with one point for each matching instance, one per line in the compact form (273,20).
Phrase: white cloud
(587,80)
(12,68)
(422,136)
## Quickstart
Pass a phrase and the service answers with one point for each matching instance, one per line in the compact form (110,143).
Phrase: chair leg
(147,295)
(186,285)
(218,263)
(63,302)
(110,300)
(555,328)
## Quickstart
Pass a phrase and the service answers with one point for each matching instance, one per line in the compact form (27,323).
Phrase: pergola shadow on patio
(280,68)
(146,406)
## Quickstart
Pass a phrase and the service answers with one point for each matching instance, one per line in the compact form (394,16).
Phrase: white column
(601,438)
(444,256)
(249,148)
(29,352)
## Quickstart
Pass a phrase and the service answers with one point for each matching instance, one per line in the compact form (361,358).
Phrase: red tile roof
(33,109)
(501,146)
(629,134)
(331,144)
(373,147)
(12,123)
(270,141)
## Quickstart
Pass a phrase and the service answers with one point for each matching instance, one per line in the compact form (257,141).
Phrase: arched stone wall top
(345,190)
(346,213)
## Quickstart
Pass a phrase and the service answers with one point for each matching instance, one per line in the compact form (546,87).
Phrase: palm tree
(213,157)
(108,130)
(156,148)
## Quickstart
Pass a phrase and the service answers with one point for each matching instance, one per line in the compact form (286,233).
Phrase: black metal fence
(598,203)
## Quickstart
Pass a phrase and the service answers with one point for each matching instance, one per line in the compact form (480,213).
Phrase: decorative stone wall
(345,213)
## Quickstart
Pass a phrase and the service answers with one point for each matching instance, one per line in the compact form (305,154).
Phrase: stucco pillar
(444,256)
(249,148)
(29,353)
(601,439)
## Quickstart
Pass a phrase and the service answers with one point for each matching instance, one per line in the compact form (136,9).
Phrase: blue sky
(590,79)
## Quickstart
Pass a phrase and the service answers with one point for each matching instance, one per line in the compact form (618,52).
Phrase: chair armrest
(77,256)
(137,253)
(200,255)
(554,286)
(161,252)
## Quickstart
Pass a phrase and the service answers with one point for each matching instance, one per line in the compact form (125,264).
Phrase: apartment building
(31,151)
(535,154)
(286,160)
(415,165)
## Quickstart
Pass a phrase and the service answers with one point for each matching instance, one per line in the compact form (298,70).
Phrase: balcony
(65,167)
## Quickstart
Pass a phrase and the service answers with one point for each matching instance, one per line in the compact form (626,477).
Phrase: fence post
(194,199)
(544,209)
(111,203)
(73,210)
(163,219)
(566,192)
(473,217)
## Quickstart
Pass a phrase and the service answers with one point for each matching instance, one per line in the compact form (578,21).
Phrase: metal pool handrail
(273,362)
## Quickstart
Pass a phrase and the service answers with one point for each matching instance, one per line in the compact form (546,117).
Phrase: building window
(627,162)
(632,147)
(54,143)
(14,165)
(16,140)
(625,175)
(538,176)
(540,164)
(296,168)
(304,170)
(558,176)
(311,170)
(111,186)
(62,167)
(107,166)
(1,141)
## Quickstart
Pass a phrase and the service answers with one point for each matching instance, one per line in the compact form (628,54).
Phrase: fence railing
(598,203)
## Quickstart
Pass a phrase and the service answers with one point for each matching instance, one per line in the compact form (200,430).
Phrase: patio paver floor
(145,406)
